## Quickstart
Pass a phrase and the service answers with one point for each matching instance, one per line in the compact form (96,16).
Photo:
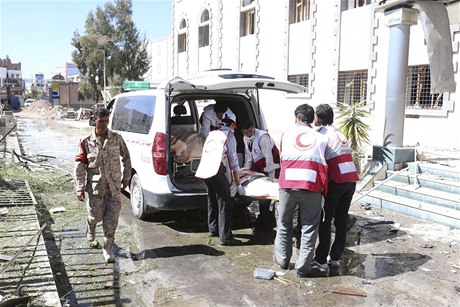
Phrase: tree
(354,128)
(111,37)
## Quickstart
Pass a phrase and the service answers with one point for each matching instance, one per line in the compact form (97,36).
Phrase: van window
(134,114)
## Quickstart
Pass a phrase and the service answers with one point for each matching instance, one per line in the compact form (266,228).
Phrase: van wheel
(137,197)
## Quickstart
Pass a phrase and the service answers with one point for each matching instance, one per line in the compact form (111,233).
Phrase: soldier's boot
(91,235)
(90,231)
(107,250)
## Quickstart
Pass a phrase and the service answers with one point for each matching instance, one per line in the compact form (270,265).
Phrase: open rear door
(231,82)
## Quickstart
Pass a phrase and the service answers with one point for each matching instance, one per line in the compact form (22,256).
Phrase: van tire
(137,198)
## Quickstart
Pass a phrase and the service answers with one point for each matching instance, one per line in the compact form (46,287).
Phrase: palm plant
(354,128)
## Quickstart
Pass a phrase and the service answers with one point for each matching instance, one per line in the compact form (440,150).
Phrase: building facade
(161,53)
(338,49)
(11,75)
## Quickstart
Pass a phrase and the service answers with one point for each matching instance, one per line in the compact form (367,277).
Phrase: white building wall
(160,52)
(229,34)
(324,55)
(330,41)
(272,39)
(355,38)
(299,48)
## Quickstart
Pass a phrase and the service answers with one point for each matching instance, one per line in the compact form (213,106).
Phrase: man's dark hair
(245,124)
(325,114)
(227,122)
(305,113)
(220,107)
(100,112)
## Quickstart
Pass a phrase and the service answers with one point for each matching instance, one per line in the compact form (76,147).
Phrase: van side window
(121,114)
(134,114)
(142,114)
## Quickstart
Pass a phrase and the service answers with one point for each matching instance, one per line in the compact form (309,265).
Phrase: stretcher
(258,186)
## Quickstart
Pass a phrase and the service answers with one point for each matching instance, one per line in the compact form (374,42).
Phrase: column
(399,20)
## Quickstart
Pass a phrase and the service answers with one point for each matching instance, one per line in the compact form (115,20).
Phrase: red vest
(257,155)
(341,167)
(303,162)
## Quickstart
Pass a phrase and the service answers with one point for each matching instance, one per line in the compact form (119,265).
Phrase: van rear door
(230,82)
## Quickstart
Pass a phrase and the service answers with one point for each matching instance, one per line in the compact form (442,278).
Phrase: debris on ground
(348,290)
(263,274)
(57,210)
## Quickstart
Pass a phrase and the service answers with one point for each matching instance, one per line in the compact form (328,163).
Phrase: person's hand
(241,190)
(81,195)
(124,183)
(271,167)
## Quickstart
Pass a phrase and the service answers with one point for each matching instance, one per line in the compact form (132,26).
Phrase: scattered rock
(57,210)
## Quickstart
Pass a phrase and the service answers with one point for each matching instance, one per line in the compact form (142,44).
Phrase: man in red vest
(303,180)
(261,155)
(342,184)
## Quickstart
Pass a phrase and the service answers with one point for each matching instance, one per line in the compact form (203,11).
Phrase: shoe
(90,233)
(283,266)
(213,234)
(334,263)
(232,242)
(109,257)
(310,274)
(94,244)
(315,265)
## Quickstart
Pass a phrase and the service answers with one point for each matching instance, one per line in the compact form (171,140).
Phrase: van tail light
(159,153)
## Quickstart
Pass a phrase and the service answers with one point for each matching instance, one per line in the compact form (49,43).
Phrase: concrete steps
(427,191)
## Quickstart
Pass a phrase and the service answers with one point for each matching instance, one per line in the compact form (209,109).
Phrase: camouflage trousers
(104,207)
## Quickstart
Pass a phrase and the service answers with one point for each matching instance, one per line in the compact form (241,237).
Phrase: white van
(149,120)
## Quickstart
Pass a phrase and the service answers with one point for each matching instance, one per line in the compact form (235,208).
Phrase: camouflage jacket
(96,162)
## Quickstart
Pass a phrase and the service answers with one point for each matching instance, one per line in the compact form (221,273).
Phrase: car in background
(28,102)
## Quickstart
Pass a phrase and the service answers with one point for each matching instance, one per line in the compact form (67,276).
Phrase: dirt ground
(169,260)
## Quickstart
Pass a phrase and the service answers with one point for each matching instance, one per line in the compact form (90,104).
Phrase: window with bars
(203,30)
(418,89)
(299,79)
(352,4)
(248,18)
(182,37)
(352,86)
(300,10)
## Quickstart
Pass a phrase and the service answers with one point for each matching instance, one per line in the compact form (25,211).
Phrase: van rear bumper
(172,201)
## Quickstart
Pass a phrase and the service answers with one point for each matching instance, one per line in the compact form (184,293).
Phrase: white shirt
(210,119)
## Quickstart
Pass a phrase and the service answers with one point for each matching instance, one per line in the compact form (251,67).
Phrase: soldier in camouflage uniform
(98,172)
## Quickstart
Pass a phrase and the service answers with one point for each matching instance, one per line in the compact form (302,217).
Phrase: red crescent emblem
(304,141)
(210,146)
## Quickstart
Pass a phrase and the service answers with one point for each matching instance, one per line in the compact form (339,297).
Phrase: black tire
(137,198)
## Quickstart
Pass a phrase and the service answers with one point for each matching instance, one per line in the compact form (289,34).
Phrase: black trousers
(336,206)
(220,205)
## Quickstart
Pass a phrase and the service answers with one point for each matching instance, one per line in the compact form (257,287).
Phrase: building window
(203,30)
(248,18)
(300,10)
(352,4)
(418,89)
(352,86)
(158,50)
(299,79)
(182,37)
